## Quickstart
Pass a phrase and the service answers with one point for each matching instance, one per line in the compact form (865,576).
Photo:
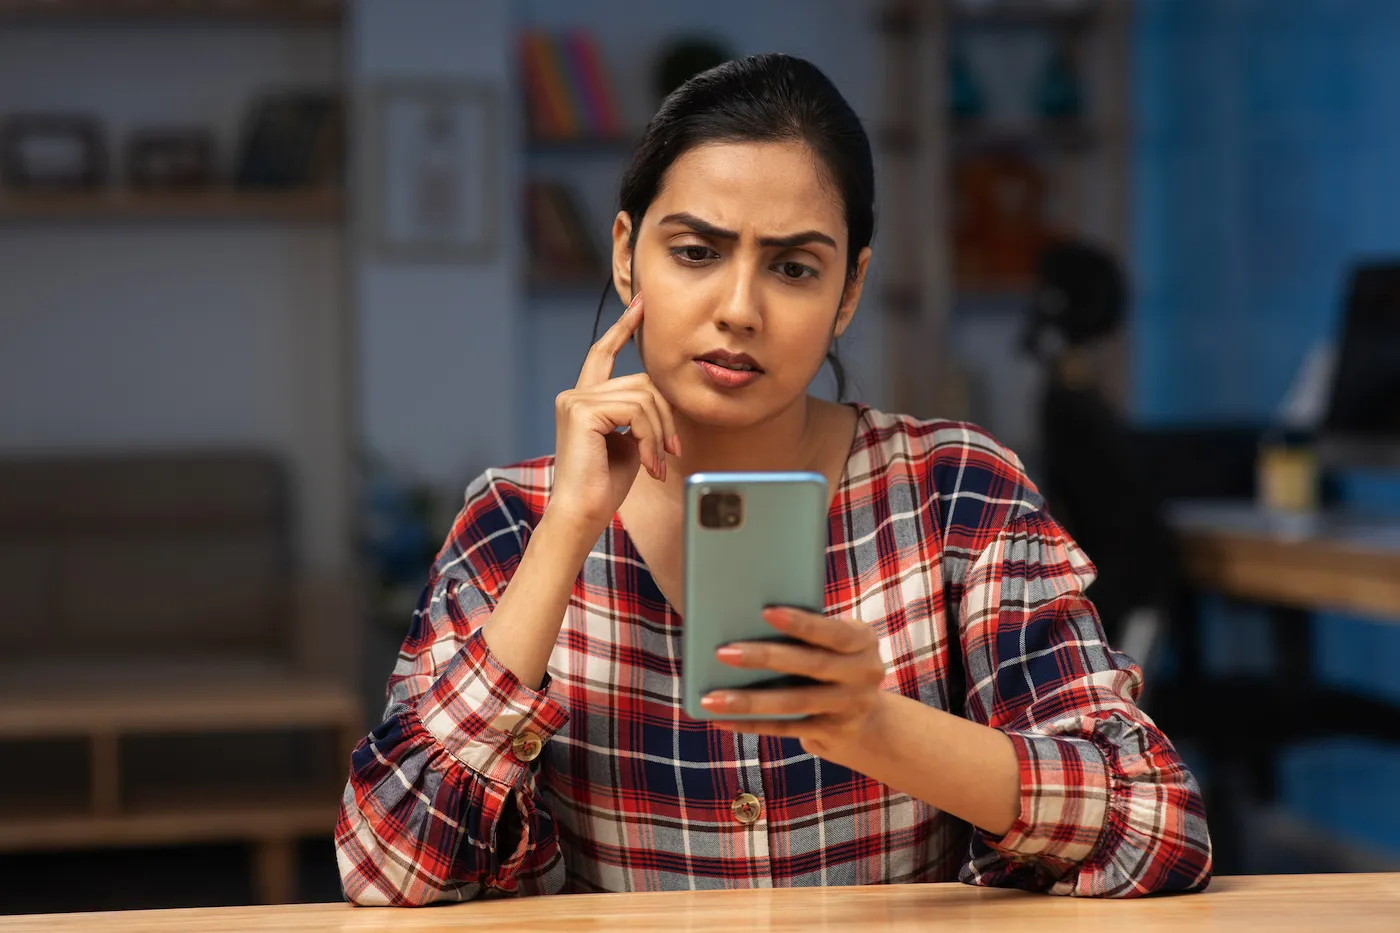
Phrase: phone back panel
(776,557)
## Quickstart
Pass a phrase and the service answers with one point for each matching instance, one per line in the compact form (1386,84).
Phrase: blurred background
(279,277)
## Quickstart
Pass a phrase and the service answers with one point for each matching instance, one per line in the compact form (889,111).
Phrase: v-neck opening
(628,547)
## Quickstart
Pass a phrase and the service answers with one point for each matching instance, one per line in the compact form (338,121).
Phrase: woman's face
(741,261)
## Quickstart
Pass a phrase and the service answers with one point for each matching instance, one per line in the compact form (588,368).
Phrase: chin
(732,410)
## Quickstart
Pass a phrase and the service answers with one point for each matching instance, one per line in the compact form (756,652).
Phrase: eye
(795,271)
(694,254)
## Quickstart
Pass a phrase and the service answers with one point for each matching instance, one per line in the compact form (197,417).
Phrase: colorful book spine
(583,93)
(566,89)
(555,81)
(588,70)
(543,122)
(551,117)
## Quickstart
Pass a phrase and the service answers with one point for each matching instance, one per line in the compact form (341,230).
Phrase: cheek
(657,340)
(804,341)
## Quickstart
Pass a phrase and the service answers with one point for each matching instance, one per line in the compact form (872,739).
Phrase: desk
(1278,904)
(1294,564)
(1319,561)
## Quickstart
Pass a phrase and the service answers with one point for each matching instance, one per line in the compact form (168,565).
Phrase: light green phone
(751,540)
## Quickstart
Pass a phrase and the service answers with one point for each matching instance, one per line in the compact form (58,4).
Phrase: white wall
(121,334)
(437,341)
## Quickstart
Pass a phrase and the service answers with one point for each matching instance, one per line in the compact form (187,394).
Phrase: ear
(622,256)
(850,296)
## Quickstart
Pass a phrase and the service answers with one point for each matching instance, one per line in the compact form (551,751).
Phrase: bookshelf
(576,145)
(321,206)
(591,146)
(160,293)
(1075,164)
(1026,14)
(219,202)
(272,12)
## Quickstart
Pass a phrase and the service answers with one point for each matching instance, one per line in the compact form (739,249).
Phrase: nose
(738,307)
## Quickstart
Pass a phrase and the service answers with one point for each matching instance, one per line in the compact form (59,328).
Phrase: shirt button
(526,746)
(747,808)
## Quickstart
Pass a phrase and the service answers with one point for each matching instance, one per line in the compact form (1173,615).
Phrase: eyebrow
(790,241)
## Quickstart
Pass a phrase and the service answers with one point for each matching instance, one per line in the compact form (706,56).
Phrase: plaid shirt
(939,541)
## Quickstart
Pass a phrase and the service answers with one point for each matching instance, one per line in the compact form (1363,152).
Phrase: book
(539,103)
(567,94)
(563,121)
(560,247)
(588,72)
(291,139)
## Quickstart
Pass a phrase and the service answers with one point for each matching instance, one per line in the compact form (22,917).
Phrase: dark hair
(762,98)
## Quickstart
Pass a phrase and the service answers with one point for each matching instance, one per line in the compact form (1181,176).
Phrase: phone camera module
(722,510)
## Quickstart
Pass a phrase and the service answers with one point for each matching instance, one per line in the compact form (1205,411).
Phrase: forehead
(767,188)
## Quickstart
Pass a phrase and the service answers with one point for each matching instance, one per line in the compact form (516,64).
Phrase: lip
(729,358)
(713,366)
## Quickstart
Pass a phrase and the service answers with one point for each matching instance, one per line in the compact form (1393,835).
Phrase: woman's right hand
(595,464)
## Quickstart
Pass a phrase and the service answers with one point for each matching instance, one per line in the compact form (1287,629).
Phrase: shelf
(287,12)
(1065,138)
(212,816)
(589,146)
(1025,14)
(1069,137)
(173,704)
(292,206)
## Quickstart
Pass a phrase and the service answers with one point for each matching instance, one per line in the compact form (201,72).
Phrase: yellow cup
(1288,477)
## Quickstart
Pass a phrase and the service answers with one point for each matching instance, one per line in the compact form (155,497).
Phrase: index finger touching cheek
(598,366)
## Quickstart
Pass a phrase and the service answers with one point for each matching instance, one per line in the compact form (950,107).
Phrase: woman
(971,721)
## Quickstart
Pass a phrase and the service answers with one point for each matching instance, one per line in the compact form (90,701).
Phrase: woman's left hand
(842,654)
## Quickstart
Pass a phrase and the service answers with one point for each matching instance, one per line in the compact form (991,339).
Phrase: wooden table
(1295,565)
(1277,904)
(1322,561)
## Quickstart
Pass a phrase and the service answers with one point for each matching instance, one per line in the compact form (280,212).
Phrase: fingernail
(713,701)
(776,616)
(730,654)
(676,444)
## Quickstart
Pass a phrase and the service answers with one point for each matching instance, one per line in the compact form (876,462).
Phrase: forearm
(525,623)
(959,766)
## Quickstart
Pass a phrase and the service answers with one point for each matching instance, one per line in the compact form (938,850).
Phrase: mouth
(734,362)
(725,370)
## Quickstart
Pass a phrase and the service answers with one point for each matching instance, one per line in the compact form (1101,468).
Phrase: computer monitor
(1362,424)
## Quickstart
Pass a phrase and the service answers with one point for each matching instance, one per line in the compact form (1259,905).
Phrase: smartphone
(752,540)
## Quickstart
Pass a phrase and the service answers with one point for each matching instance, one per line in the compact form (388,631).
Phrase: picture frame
(433,183)
(52,151)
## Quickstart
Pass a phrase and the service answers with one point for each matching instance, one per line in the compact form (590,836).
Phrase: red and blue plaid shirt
(940,542)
